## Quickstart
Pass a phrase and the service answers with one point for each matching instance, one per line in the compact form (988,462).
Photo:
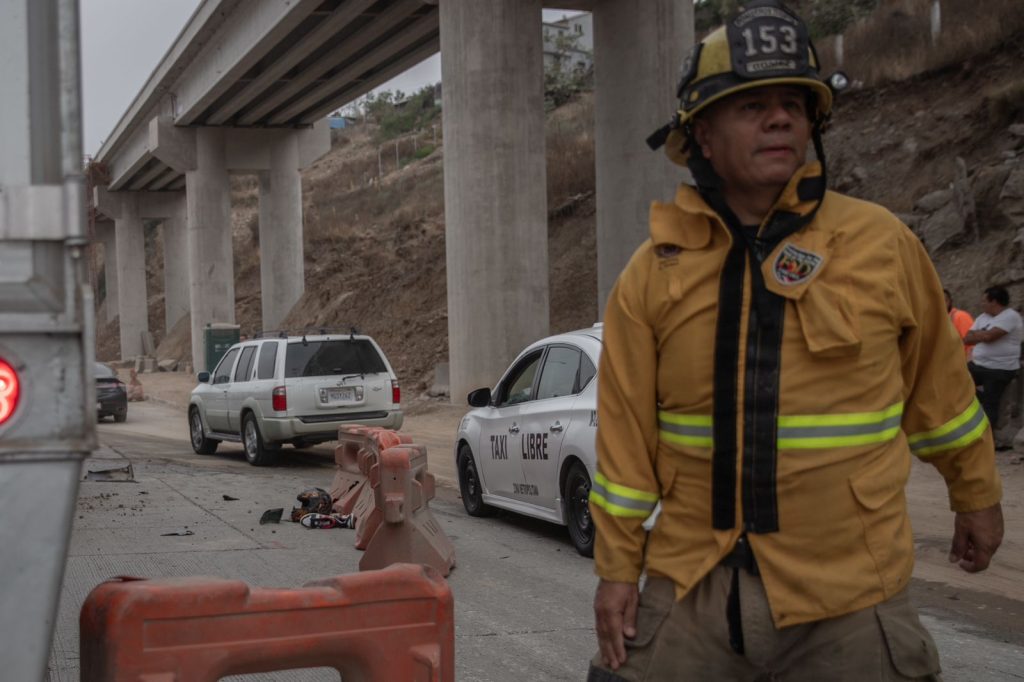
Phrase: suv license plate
(344,394)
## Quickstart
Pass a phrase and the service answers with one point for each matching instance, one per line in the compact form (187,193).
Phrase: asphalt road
(522,594)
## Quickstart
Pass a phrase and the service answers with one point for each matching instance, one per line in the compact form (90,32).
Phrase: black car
(111,394)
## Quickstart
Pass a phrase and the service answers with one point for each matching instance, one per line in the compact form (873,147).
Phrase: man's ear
(702,135)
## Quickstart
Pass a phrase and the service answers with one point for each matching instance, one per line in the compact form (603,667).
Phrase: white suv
(298,390)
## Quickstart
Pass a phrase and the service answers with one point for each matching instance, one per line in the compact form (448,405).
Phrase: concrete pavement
(522,595)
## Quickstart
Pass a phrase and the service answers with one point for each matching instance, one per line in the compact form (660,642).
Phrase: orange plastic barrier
(382,480)
(357,443)
(406,529)
(393,624)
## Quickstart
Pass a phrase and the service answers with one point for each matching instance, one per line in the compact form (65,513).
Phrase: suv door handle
(513,429)
(556,427)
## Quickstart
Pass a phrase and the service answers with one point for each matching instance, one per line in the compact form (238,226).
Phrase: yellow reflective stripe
(685,419)
(846,419)
(695,441)
(616,510)
(686,429)
(822,431)
(795,432)
(623,491)
(965,428)
(822,442)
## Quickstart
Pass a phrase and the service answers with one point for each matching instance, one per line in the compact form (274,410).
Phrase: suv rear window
(324,358)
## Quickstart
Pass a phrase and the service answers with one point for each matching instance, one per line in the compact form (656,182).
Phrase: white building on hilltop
(569,42)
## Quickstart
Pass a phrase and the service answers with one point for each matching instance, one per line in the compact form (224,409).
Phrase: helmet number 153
(769,41)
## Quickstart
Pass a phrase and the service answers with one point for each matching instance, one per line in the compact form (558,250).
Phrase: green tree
(563,76)
(397,114)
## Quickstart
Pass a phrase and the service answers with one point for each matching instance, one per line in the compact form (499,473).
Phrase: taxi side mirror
(481,397)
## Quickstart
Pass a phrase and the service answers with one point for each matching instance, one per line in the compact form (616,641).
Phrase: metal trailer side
(46,320)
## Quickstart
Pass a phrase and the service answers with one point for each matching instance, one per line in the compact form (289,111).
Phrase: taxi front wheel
(469,484)
(577,509)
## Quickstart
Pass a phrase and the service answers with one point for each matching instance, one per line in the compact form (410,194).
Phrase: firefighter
(773,356)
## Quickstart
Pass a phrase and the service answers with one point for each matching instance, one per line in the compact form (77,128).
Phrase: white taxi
(529,444)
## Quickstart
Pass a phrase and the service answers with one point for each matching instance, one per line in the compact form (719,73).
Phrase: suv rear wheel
(200,443)
(257,452)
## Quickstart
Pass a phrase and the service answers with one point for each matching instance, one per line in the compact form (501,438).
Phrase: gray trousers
(690,639)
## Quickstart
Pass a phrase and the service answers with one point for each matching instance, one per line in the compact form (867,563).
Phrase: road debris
(186,531)
(272,516)
(228,498)
(328,521)
(116,474)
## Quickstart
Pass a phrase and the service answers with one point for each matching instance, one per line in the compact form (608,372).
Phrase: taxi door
(545,422)
(498,454)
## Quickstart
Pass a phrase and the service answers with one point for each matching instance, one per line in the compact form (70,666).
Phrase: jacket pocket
(828,322)
(805,271)
(911,649)
(882,512)
(656,602)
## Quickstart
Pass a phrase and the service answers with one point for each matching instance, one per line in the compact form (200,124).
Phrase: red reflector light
(9,390)
(279,399)
(396,393)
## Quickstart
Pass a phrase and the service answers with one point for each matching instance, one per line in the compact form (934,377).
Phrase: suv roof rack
(309,331)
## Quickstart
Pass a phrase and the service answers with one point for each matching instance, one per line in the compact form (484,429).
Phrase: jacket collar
(670,226)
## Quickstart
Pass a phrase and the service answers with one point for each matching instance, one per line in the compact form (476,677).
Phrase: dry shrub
(570,151)
(894,42)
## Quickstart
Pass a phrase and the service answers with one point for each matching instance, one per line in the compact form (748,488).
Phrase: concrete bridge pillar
(282,277)
(211,277)
(176,269)
(131,276)
(105,234)
(495,185)
(638,48)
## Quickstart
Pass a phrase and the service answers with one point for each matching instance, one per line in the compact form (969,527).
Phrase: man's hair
(998,294)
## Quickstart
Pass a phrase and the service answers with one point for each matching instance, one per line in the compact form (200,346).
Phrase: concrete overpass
(242,90)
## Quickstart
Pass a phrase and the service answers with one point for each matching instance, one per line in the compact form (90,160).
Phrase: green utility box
(218,337)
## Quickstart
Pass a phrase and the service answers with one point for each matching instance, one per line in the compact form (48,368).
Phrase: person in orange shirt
(961,319)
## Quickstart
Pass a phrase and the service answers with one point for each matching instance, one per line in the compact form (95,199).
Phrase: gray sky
(124,40)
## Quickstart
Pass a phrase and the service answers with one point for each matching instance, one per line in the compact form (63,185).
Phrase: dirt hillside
(375,254)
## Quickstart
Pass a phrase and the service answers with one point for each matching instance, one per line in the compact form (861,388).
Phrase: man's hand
(976,536)
(615,607)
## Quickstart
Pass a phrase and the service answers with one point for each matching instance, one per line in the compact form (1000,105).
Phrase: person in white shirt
(997,333)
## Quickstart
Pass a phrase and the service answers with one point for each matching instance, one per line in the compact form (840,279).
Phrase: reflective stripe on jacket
(847,368)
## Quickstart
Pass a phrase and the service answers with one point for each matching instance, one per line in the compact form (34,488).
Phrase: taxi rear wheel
(469,484)
(577,509)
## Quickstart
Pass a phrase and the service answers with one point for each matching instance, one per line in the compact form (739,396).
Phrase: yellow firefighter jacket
(790,416)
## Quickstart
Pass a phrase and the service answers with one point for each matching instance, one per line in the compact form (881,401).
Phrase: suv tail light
(9,389)
(279,399)
(396,392)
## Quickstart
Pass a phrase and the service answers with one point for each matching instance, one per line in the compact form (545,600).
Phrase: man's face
(988,306)
(756,139)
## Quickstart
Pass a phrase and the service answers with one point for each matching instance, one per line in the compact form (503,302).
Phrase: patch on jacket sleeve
(668,254)
(794,265)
